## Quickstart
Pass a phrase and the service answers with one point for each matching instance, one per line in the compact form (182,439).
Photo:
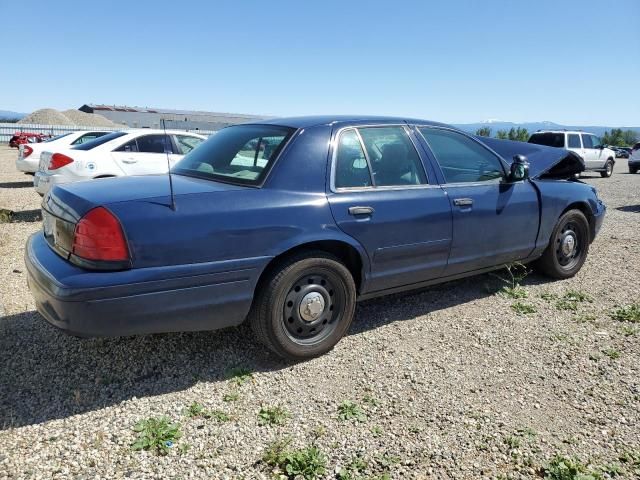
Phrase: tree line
(519,134)
(616,137)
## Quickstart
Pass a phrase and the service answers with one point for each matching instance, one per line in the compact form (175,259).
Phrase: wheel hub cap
(311,306)
(568,245)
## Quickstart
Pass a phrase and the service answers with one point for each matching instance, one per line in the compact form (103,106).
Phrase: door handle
(357,211)
(129,160)
(463,202)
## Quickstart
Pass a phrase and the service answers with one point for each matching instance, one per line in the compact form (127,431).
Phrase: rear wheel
(568,247)
(608,169)
(305,306)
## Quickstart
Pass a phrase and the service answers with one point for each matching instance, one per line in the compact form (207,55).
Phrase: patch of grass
(231,396)
(386,460)
(629,331)
(272,416)
(240,375)
(523,308)
(586,318)
(308,463)
(349,410)
(195,410)
(376,431)
(627,313)
(368,399)
(612,353)
(356,467)
(564,468)
(512,441)
(514,292)
(219,416)
(156,434)
(548,296)
(572,299)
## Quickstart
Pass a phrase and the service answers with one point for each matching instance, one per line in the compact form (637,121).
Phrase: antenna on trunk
(166,151)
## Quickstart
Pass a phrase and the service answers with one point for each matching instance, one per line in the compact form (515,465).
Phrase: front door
(494,222)
(380,195)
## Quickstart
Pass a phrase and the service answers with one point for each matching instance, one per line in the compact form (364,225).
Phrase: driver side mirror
(519,169)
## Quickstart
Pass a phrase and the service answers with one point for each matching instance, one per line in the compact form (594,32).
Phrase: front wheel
(305,306)
(568,246)
(608,169)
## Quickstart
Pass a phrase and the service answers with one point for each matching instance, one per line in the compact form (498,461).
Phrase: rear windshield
(240,154)
(99,141)
(548,139)
(57,137)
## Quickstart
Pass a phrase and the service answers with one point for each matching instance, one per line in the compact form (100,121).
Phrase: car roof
(314,120)
(154,131)
(565,131)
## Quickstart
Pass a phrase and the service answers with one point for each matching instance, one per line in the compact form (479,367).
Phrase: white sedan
(29,154)
(131,152)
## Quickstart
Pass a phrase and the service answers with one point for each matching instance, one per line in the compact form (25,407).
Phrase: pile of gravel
(49,116)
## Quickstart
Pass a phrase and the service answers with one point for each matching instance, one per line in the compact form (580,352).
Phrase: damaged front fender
(544,162)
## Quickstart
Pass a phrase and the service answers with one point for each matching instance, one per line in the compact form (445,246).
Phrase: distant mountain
(496,125)
(9,115)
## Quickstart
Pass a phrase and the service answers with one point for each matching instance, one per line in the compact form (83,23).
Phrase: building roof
(192,113)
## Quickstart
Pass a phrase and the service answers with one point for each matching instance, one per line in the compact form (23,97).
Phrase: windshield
(239,154)
(99,141)
(548,139)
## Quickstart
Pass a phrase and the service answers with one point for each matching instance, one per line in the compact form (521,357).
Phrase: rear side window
(186,143)
(385,157)
(351,169)
(548,139)
(462,159)
(586,141)
(573,141)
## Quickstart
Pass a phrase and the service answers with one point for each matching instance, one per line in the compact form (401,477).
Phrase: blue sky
(572,62)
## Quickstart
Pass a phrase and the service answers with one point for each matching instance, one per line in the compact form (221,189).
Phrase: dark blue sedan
(289,222)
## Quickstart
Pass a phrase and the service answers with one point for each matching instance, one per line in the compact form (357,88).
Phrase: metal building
(137,117)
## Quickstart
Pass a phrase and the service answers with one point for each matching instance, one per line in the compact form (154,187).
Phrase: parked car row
(96,154)
(288,222)
(596,156)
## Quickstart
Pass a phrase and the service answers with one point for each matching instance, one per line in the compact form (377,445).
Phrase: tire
(278,317)
(633,169)
(558,262)
(608,169)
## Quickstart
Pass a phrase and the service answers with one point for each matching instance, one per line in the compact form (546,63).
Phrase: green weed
(156,434)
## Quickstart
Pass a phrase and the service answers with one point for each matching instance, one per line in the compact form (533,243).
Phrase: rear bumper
(142,301)
(27,165)
(43,182)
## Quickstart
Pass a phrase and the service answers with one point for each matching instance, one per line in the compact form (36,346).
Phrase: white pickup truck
(596,157)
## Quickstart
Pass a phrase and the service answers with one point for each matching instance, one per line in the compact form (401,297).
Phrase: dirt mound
(49,116)
(91,119)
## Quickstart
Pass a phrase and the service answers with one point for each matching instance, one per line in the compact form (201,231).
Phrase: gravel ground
(450,382)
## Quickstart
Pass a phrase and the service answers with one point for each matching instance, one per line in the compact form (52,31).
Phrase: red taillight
(98,236)
(26,151)
(59,160)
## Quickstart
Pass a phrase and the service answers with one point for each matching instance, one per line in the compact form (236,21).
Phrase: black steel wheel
(568,246)
(304,306)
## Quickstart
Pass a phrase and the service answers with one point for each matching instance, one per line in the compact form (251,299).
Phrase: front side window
(462,159)
(596,142)
(239,154)
(186,143)
(574,141)
(586,141)
(154,144)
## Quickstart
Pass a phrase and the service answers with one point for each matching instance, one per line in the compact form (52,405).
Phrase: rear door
(575,145)
(145,155)
(381,196)
(494,222)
